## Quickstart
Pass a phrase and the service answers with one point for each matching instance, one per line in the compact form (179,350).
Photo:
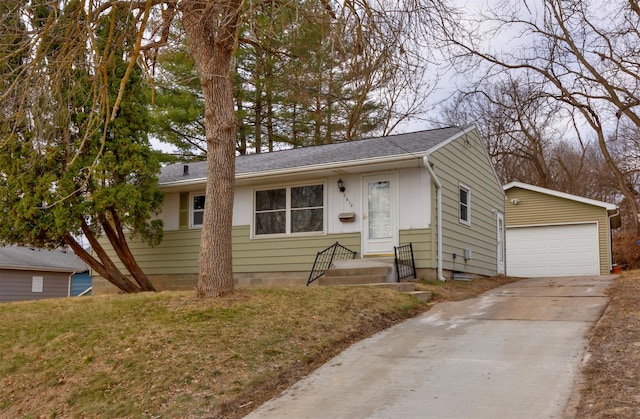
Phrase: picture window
(289,210)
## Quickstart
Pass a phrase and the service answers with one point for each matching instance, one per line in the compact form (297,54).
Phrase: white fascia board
(559,194)
(451,139)
(292,171)
(331,166)
(40,269)
(187,182)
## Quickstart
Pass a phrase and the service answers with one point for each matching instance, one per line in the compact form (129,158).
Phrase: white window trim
(288,232)
(191,209)
(462,186)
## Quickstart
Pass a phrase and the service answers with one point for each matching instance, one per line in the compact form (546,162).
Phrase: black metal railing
(405,264)
(325,258)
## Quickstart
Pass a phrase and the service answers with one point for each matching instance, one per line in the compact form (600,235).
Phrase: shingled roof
(336,153)
(17,257)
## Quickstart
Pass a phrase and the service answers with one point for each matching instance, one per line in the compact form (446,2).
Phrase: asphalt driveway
(513,352)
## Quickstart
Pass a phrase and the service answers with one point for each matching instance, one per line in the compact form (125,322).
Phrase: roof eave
(559,194)
(42,269)
(399,160)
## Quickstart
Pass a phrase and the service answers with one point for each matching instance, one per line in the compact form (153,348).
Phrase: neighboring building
(551,233)
(33,274)
(289,205)
(81,283)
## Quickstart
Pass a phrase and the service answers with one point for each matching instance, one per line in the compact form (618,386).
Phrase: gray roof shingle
(40,259)
(409,143)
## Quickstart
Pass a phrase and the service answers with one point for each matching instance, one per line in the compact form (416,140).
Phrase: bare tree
(519,123)
(586,53)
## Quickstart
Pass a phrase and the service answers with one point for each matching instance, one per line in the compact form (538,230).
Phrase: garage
(553,250)
(553,233)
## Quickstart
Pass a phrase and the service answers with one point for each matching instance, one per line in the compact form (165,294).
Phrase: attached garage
(551,233)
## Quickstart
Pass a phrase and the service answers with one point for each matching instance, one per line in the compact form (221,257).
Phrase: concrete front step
(366,266)
(366,262)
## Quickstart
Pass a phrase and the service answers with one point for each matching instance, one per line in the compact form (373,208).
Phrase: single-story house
(435,189)
(551,233)
(33,274)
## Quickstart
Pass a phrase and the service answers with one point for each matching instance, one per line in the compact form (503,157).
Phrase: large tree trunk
(105,267)
(211,28)
(118,241)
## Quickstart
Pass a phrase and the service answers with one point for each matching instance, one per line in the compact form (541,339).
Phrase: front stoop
(363,266)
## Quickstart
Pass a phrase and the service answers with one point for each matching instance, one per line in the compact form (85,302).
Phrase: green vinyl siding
(179,250)
(535,208)
(283,254)
(465,161)
(423,248)
(177,254)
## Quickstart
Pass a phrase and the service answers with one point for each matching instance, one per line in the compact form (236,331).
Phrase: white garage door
(553,250)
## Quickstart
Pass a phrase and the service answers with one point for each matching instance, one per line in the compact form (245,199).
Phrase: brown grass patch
(611,387)
(453,290)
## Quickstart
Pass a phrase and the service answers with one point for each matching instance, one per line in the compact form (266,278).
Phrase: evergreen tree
(73,167)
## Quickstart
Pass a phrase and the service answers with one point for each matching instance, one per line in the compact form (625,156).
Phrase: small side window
(197,210)
(464,204)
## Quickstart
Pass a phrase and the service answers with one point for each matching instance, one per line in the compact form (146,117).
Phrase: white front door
(500,232)
(379,218)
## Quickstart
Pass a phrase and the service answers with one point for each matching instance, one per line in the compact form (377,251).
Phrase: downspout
(434,179)
(609,217)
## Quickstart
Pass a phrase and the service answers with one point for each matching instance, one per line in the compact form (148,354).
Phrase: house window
(464,204)
(197,210)
(291,210)
(271,211)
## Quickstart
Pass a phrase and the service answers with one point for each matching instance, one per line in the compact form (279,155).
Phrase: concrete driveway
(513,352)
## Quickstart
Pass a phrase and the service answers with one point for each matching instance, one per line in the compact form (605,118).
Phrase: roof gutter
(36,268)
(436,182)
(614,215)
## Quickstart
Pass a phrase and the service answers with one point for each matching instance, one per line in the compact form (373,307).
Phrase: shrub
(626,251)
